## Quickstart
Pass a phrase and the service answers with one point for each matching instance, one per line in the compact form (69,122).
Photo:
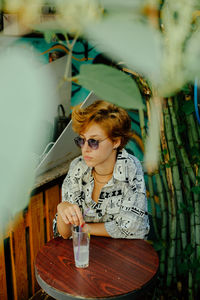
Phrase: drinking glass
(81,243)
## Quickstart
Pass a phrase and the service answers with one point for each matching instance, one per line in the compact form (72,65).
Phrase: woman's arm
(97,229)
(132,220)
(68,212)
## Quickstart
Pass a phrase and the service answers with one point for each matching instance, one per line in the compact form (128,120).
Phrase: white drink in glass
(81,256)
(81,242)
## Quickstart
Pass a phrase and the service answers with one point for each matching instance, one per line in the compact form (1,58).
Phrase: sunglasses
(92,143)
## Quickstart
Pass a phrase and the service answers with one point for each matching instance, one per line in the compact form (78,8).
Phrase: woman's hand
(70,213)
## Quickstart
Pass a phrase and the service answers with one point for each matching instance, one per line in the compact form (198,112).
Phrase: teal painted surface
(81,51)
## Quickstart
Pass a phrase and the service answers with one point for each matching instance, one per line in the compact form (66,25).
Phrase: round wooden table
(118,269)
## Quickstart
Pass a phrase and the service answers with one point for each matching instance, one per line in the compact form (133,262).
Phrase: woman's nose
(86,147)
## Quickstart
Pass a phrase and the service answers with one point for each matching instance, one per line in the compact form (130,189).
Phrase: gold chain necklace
(102,174)
(98,180)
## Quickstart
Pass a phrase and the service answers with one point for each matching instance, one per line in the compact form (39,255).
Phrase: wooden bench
(33,227)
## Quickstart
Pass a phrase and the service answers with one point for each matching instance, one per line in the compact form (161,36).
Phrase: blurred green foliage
(24,101)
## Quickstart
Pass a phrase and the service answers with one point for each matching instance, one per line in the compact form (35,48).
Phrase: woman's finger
(72,215)
(64,217)
(76,215)
(79,215)
(75,219)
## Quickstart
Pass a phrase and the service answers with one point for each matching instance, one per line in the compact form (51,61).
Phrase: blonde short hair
(114,120)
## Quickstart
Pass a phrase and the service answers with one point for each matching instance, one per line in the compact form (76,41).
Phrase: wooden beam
(3,286)
(36,232)
(52,199)
(19,259)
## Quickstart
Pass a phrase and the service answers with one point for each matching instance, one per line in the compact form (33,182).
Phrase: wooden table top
(117,267)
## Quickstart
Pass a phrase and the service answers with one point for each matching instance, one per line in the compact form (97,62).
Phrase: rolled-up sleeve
(132,220)
(70,186)
(55,228)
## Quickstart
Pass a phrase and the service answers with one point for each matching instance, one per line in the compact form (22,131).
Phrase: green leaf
(186,89)
(198,251)
(112,85)
(197,275)
(164,151)
(189,250)
(194,151)
(188,107)
(190,209)
(158,245)
(183,268)
(181,128)
(196,189)
(48,36)
(172,161)
(194,265)
(131,41)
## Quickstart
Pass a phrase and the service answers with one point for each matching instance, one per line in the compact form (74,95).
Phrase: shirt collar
(120,170)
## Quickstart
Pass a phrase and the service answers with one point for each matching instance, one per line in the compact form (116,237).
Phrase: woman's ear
(116,143)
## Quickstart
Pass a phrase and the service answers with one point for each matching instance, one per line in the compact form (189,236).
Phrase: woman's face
(105,152)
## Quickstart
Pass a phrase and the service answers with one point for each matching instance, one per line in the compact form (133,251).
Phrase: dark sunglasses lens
(79,141)
(94,144)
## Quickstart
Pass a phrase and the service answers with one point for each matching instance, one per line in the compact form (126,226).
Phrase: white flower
(29,11)
(74,15)
(13,6)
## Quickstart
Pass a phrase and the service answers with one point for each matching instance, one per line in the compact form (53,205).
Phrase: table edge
(63,296)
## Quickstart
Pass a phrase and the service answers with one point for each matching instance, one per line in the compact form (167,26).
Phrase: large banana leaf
(112,85)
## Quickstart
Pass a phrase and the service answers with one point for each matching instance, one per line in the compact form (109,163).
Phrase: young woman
(104,190)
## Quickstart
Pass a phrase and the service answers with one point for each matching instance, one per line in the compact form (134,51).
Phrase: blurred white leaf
(192,57)
(112,85)
(13,5)
(24,102)
(50,26)
(75,15)
(152,144)
(137,44)
(116,5)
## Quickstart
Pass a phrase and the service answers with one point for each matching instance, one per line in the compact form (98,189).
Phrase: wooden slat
(36,230)
(19,259)
(3,286)
(52,198)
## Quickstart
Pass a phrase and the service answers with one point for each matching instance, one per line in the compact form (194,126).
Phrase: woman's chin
(89,163)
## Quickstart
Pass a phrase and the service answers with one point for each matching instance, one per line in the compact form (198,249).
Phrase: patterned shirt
(122,203)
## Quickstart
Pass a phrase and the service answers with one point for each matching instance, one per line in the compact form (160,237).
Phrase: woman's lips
(87,158)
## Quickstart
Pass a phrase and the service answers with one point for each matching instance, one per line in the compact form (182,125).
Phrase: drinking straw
(84,213)
(79,237)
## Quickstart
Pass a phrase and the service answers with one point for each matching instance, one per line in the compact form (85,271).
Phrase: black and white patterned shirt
(122,203)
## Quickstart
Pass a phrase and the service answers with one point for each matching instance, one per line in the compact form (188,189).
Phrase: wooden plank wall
(3,287)
(19,248)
